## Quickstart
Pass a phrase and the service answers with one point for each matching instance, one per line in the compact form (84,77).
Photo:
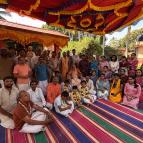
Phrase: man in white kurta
(8,101)
(36,94)
(90,85)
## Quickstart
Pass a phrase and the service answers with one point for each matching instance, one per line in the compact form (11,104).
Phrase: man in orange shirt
(53,91)
(22,72)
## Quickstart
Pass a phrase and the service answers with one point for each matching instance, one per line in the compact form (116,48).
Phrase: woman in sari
(132,93)
(116,89)
(133,63)
(139,80)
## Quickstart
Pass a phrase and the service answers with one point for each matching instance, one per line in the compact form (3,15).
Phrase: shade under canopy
(94,16)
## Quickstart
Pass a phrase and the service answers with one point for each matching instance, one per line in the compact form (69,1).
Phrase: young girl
(75,96)
(85,95)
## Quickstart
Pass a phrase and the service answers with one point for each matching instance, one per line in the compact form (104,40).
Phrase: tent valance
(95,16)
(26,35)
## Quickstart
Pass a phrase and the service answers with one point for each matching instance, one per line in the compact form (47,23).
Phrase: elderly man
(8,100)
(25,119)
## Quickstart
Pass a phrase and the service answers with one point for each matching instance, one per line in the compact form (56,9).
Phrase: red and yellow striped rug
(102,122)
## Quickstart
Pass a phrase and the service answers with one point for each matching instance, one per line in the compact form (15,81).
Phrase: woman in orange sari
(116,89)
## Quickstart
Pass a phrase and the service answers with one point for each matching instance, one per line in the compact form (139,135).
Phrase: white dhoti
(39,116)
(93,92)
(6,122)
(43,85)
(68,111)
(91,100)
(24,87)
(103,95)
(49,105)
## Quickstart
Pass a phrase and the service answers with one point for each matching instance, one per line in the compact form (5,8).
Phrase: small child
(94,77)
(75,96)
(85,95)
(66,86)
(63,105)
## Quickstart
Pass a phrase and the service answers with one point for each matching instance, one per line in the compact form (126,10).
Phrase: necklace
(29,112)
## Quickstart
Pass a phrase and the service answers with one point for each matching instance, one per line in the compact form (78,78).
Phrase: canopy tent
(94,16)
(26,34)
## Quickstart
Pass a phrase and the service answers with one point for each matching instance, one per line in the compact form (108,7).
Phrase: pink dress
(131,95)
(133,63)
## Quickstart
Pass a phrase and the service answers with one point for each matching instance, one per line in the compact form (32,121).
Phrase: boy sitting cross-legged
(63,105)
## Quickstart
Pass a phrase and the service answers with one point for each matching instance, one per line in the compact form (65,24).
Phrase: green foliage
(131,37)
(93,48)
(109,51)
(78,45)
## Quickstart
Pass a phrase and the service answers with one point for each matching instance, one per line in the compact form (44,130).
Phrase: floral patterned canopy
(94,16)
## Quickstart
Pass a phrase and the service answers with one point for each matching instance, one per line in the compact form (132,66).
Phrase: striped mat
(102,122)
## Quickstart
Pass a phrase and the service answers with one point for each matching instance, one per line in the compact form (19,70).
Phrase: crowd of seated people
(40,81)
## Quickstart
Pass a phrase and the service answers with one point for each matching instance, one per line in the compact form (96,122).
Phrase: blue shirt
(41,71)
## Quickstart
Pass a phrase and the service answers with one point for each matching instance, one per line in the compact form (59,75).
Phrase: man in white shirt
(36,94)
(8,101)
(63,105)
(90,85)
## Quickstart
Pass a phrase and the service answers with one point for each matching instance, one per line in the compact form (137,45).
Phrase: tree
(73,34)
(94,48)
(131,36)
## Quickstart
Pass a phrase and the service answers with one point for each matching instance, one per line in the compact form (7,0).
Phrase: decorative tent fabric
(94,16)
(25,34)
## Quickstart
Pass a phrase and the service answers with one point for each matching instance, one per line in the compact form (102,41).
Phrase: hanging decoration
(94,16)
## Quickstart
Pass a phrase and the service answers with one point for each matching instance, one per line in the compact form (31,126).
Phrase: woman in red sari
(133,63)
(139,80)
